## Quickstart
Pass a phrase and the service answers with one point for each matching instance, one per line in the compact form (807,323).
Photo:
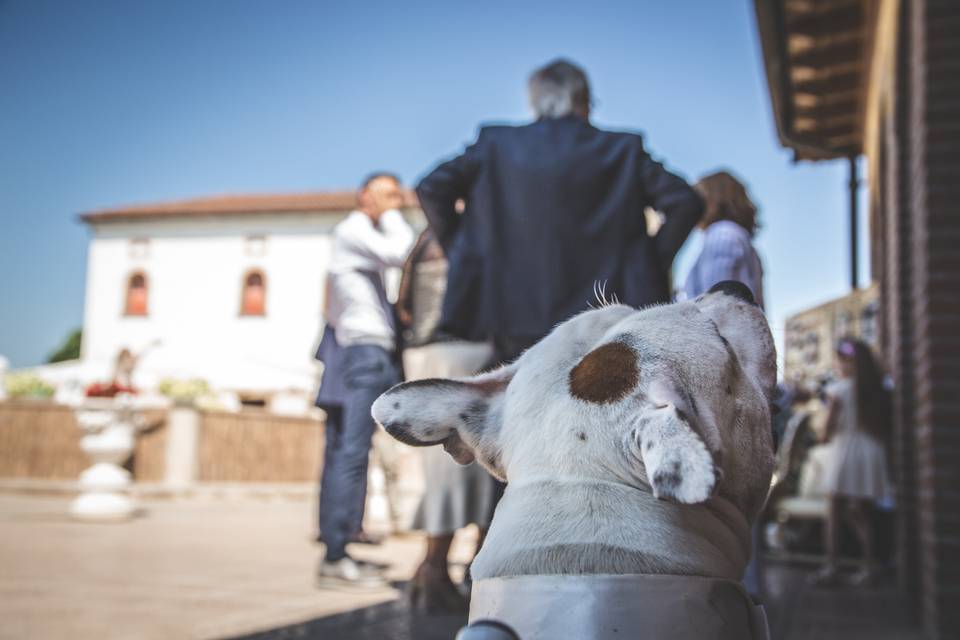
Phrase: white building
(226,289)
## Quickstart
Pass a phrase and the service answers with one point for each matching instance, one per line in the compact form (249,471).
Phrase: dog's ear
(742,326)
(678,463)
(463,415)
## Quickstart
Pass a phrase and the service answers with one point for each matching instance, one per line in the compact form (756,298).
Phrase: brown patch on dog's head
(606,374)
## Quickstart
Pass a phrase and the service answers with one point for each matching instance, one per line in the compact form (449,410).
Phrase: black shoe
(360,537)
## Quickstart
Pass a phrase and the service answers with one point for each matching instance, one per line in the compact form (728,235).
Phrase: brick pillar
(896,147)
(934,172)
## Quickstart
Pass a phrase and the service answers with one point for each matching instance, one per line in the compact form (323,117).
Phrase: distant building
(226,289)
(811,336)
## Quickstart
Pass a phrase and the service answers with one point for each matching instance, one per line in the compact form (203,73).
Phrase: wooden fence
(39,440)
(257,446)
(42,440)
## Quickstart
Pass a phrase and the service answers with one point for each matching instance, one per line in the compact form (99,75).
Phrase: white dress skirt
(454,495)
(855,463)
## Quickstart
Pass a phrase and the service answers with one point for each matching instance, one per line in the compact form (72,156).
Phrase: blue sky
(115,102)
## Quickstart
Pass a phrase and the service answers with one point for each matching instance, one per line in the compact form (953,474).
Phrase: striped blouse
(727,255)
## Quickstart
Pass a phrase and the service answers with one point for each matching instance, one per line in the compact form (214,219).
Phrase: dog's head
(672,396)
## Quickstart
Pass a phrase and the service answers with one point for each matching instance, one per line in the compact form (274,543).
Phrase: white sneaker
(347,572)
(827,576)
(865,577)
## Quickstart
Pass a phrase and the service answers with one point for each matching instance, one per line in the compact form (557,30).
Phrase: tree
(69,350)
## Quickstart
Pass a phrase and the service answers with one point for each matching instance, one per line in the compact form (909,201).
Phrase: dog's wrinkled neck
(609,526)
(724,512)
(721,507)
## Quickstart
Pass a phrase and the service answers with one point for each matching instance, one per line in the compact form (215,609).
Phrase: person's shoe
(431,591)
(347,572)
(360,537)
(865,577)
(827,576)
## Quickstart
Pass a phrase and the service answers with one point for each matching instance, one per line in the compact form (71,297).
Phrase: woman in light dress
(855,475)
(729,223)
(455,495)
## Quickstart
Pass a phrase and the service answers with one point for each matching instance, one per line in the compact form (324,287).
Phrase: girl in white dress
(856,474)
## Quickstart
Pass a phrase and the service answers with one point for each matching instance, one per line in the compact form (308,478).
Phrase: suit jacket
(552,208)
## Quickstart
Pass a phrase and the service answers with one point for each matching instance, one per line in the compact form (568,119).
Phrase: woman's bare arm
(833,414)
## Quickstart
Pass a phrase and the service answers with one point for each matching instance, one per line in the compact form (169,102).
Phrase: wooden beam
(833,154)
(829,110)
(825,23)
(843,82)
(831,55)
(829,132)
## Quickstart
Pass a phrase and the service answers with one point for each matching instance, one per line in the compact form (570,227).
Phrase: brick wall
(934,179)
(897,145)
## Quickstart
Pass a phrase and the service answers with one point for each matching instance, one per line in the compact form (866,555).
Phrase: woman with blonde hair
(729,223)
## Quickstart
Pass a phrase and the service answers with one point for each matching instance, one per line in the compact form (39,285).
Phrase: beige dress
(454,496)
(856,463)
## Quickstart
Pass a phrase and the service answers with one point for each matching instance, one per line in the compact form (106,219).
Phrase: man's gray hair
(559,89)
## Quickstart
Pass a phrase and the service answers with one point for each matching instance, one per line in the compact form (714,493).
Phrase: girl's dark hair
(872,397)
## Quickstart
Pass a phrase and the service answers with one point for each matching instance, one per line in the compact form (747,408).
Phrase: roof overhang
(234,205)
(817,56)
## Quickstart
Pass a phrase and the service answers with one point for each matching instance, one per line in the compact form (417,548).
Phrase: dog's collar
(542,479)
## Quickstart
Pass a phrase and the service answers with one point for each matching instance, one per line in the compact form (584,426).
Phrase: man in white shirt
(358,352)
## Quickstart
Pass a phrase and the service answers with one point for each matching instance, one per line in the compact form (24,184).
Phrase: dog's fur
(632,441)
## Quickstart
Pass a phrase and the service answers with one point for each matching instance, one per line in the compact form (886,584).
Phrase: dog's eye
(775,409)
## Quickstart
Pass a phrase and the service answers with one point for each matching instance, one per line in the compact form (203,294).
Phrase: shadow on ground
(391,620)
(796,611)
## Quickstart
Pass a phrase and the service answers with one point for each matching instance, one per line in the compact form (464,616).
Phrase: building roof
(816,55)
(332,201)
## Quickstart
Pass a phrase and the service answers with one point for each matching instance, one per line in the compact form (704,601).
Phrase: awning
(816,55)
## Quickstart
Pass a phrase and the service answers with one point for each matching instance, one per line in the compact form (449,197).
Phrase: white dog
(632,441)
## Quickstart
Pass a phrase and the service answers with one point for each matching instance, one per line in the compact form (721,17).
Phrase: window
(256,246)
(253,302)
(139,248)
(136,302)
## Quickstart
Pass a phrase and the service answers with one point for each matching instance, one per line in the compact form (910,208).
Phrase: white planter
(111,426)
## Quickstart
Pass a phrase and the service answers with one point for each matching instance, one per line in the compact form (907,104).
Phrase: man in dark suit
(551,209)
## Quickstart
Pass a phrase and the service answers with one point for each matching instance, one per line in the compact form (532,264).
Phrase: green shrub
(27,385)
(184,391)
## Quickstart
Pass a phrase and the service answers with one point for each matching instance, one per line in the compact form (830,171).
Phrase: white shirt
(357,305)
(727,254)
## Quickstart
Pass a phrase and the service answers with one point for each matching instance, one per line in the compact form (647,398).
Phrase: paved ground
(797,611)
(184,570)
(243,569)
